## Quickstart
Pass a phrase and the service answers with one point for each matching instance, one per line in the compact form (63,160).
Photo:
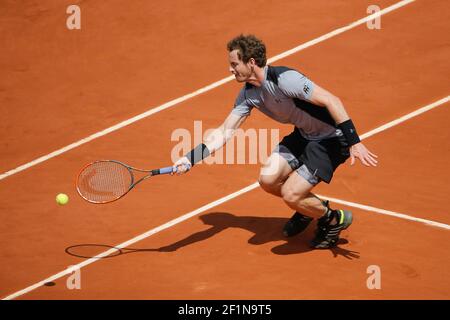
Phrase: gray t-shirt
(284,96)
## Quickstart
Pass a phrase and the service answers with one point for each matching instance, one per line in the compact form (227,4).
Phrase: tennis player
(324,137)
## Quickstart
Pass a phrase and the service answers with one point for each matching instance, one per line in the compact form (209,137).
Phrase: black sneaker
(327,235)
(298,223)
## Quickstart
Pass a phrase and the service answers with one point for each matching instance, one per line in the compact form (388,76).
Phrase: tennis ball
(62,199)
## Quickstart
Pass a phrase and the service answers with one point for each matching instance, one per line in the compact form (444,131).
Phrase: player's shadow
(264,230)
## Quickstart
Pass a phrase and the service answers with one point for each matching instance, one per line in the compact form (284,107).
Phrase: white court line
(132,241)
(387,212)
(341,30)
(200,91)
(234,195)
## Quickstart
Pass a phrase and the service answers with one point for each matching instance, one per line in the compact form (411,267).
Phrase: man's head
(245,53)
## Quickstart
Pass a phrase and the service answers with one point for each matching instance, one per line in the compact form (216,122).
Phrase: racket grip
(166,170)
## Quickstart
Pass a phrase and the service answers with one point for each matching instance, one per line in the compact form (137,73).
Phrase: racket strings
(104,181)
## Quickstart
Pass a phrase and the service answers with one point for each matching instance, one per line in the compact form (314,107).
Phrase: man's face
(241,71)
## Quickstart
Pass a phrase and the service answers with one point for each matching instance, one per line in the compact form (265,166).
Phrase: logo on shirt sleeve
(306,89)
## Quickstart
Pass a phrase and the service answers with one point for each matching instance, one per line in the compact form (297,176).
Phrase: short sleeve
(295,85)
(241,107)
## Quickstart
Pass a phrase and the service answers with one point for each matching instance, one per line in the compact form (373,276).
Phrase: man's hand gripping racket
(181,166)
(106,181)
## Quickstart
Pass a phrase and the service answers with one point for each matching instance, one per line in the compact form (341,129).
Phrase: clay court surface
(59,86)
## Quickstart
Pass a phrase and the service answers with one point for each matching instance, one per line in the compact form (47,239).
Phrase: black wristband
(349,131)
(197,154)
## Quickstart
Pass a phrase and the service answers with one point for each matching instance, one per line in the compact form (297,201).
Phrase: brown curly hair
(248,47)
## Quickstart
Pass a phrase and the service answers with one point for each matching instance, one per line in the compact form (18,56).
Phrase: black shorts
(314,160)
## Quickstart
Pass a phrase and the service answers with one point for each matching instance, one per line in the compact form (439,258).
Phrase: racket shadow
(264,229)
(96,251)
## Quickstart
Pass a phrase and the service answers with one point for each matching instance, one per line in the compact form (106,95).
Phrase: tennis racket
(106,181)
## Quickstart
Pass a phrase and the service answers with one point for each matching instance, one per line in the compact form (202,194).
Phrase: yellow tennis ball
(62,199)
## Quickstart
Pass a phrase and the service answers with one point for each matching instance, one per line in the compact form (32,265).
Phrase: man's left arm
(324,98)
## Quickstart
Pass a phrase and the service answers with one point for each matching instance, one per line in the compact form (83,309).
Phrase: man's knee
(274,173)
(296,190)
(268,183)
(291,195)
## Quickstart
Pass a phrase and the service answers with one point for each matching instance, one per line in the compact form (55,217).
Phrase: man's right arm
(219,136)
(215,140)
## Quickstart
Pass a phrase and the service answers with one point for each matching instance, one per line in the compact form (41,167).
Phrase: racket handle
(166,170)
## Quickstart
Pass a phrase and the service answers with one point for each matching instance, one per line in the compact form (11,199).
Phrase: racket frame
(130,169)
